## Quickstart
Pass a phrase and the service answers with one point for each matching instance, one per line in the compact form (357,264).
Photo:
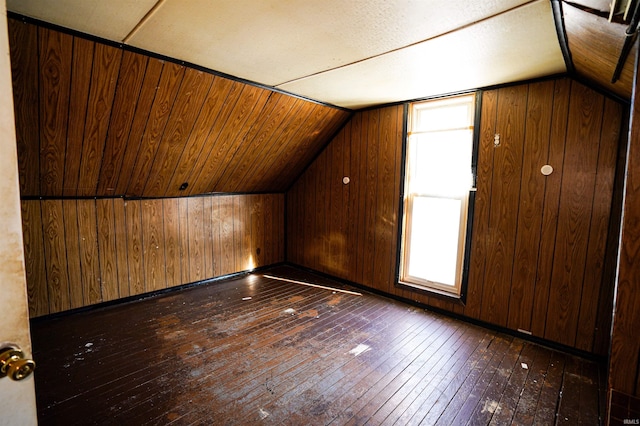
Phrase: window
(438,182)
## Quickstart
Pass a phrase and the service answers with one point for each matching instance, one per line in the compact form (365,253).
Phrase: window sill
(432,292)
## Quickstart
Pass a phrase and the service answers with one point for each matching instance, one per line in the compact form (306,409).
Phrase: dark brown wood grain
(371,188)
(173,260)
(82,252)
(480,237)
(247,250)
(207,237)
(385,217)
(269,245)
(250,116)
(397,185)
(319,229)
(574,215)
(196,238)
(515,271)
(301,152)
(110,122)
(271,118)
(135,251)
(279,248)
(23,42)
(551,205)
(600,215)
(54,61)
(313,142)
(218,94)
(625,346)
(507,168)
(120,231)
(34,256)
(294,114)
(185,111)
(72,245)
(165,96)
(248,107)
(216,234)
(257,221)
(82,67)
(90,263)
(227,258)
(192,345)
(55,256)
(153,245)
(298,117)
(293,227)
(130,80)
(219,114)
(355,187)
(237,232)
(143,109)
(607,290)
(595,46)
(104,75)
(107,249)
(536,151)
(183,219)
(337,243)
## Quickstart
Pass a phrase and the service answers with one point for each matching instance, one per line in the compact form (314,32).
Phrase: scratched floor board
(254,349)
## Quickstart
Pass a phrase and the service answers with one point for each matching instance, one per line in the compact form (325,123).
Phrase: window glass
(438,182)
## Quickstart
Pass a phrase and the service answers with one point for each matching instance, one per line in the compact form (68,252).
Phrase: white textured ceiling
(350,53)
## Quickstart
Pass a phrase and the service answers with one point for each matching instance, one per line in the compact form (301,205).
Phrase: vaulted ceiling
(347,53)
(164,101)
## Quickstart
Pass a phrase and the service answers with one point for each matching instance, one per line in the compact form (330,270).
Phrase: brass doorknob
(13,364)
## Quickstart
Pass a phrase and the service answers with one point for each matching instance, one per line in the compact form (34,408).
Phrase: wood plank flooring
(256,350)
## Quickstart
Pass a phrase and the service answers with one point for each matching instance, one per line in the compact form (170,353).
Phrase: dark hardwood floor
(256,350)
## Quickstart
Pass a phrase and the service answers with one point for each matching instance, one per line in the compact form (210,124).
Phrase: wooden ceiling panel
(94,120)
(595,46)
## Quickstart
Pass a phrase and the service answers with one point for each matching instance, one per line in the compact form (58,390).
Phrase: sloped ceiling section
(595,45)
(349,53)
(95,120)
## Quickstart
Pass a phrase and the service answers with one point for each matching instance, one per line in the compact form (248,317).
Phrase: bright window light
(438,182)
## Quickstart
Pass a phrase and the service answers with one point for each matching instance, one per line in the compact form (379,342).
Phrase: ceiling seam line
(143,21)
(470,24)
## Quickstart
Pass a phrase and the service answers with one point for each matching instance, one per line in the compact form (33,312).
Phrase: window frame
(426,287)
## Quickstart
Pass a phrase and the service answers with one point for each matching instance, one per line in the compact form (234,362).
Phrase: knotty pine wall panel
(96,120)
(86,251)
(539,244)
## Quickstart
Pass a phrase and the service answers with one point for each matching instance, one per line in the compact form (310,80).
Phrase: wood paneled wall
(86,251)
(624,372)
(96,120)
(538,246)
